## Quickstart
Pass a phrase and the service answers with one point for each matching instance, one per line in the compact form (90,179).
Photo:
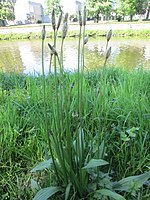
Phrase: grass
(113,106)
(91,33)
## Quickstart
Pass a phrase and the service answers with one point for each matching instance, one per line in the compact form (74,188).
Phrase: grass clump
(92,128)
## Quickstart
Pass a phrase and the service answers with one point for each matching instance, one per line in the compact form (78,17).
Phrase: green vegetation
(53,4)
(131,7)
(90,128)
(99,7)
(119,9)
(116,111)
(91,33)
(6,11)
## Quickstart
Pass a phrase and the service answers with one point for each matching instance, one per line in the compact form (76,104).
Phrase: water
(25,56)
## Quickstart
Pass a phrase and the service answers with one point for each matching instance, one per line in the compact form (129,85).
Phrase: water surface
(25,56)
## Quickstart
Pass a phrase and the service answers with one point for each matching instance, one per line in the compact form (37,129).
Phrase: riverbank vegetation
(91,33)
(88,130)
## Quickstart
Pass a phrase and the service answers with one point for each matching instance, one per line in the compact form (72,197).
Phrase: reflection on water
(25,56)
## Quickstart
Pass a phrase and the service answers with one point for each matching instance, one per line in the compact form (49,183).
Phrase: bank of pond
(104,114)
(90,33)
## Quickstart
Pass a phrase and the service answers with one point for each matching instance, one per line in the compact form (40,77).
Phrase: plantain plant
(76,165)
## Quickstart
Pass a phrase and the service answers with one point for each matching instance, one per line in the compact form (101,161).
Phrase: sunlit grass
(113,106)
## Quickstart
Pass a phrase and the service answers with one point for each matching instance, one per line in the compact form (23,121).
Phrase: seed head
(108,53)
(64,30)
(80,18)
(109,34)
(66,18)
(84,16)
(53,20)
(86,39)
(65,26)
(72,86)
(53,50)
(59,20)
(43,33)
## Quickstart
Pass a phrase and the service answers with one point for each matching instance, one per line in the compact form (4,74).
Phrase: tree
(6,10)
(97,7)
(141,6)
(53,4)
(148,11)
(127,8)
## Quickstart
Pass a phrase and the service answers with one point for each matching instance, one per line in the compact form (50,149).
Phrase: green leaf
(132,131)
(45,193)
(111,194)
(67,191)
(101,150)
(43,165)
(95,163)
(34,185)
(124,137)
(132,182)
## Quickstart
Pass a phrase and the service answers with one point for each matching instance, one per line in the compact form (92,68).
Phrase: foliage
(141,6)
(126,8)
(6,10)
(72,34)
(113,107)
(97,7)
(53,4)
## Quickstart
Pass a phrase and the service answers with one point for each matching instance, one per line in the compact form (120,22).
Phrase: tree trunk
(2,22)
(148,11)
(131,18)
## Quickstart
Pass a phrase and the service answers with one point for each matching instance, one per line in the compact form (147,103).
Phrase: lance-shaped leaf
(95,163)
(43,165)
(131,182)
(46,193)
(111,194)
(67,191)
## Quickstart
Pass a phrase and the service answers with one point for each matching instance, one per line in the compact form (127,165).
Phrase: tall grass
(73,122)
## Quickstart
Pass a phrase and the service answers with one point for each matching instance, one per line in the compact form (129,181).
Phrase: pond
(25,56)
